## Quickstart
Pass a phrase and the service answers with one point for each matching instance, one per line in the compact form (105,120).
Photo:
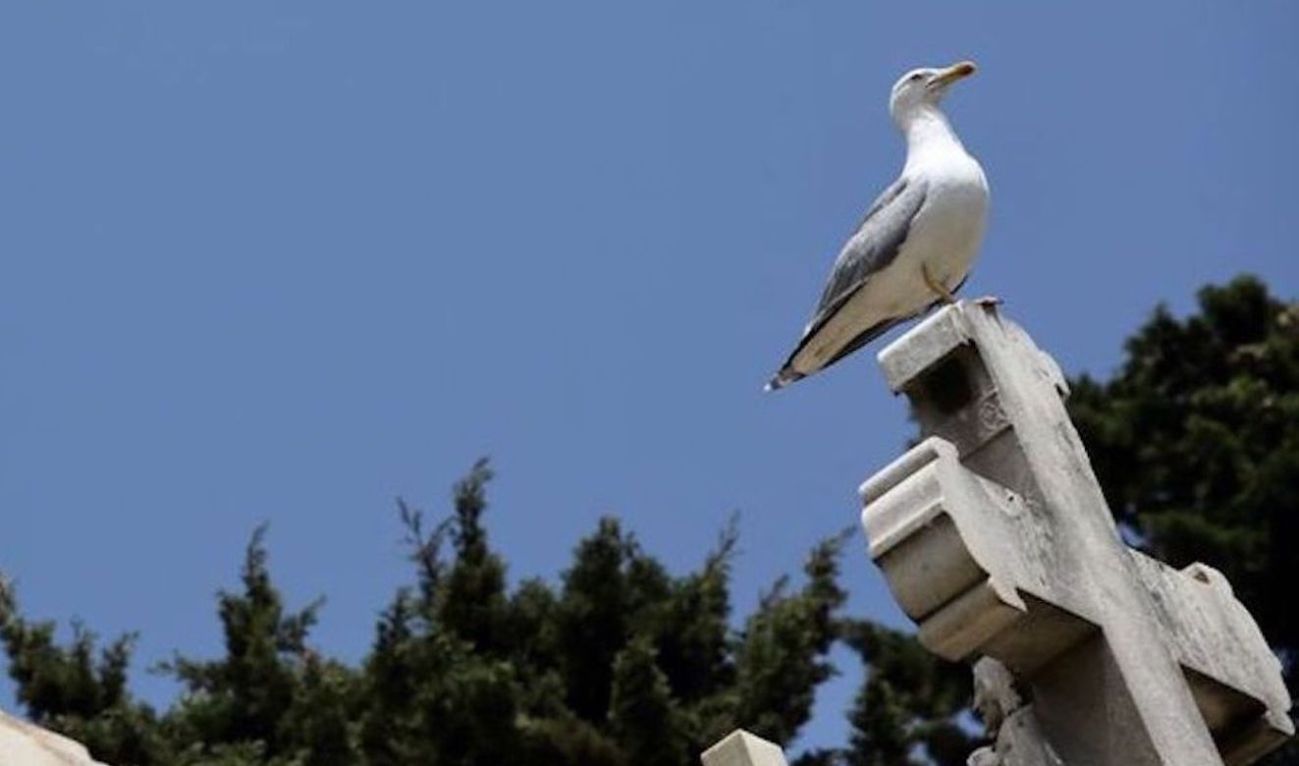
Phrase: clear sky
(286,261)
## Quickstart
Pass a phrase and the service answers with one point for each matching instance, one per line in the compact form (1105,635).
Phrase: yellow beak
(953,73)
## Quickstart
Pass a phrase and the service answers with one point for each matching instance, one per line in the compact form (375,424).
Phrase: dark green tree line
(622,663)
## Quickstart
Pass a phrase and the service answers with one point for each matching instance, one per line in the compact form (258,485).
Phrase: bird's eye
(916,76)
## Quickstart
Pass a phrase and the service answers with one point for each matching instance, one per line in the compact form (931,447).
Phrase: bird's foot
(938,287)
(990,301)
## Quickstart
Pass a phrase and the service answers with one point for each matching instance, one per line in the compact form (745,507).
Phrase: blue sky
(286,261)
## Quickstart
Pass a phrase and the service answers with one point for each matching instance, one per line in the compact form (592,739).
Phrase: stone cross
(995,538)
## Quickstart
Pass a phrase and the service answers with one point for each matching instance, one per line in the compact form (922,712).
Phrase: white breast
(947,231)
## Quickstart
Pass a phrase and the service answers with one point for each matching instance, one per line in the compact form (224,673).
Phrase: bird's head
(924,87)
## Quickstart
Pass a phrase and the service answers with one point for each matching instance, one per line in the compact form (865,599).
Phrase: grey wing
(873,246)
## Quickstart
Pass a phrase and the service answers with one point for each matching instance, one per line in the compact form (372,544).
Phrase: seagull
(915,245)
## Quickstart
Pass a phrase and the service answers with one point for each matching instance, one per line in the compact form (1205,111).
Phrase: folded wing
(872,247)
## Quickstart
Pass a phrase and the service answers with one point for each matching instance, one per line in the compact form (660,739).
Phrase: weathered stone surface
(1020,742)
(740,748)
(1018,738)
(25,744)
(995,695)
(995,538)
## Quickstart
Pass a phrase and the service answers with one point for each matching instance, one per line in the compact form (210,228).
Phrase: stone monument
(994,537)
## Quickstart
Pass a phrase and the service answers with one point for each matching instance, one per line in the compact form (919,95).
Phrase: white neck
(927,130)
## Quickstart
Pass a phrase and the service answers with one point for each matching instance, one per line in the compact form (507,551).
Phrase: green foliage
(643,718)
(71,690)
(781,657)
(244,697)
(910,698)
(621,664)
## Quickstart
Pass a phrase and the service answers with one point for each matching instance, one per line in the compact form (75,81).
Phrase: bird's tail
(783,378)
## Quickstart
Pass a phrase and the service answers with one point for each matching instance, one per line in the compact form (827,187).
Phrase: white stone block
(26,744)
(740,748)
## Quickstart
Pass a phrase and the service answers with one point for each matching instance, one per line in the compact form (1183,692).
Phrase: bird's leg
(938,287)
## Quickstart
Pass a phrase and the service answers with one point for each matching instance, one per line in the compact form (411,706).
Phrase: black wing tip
(782,379)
